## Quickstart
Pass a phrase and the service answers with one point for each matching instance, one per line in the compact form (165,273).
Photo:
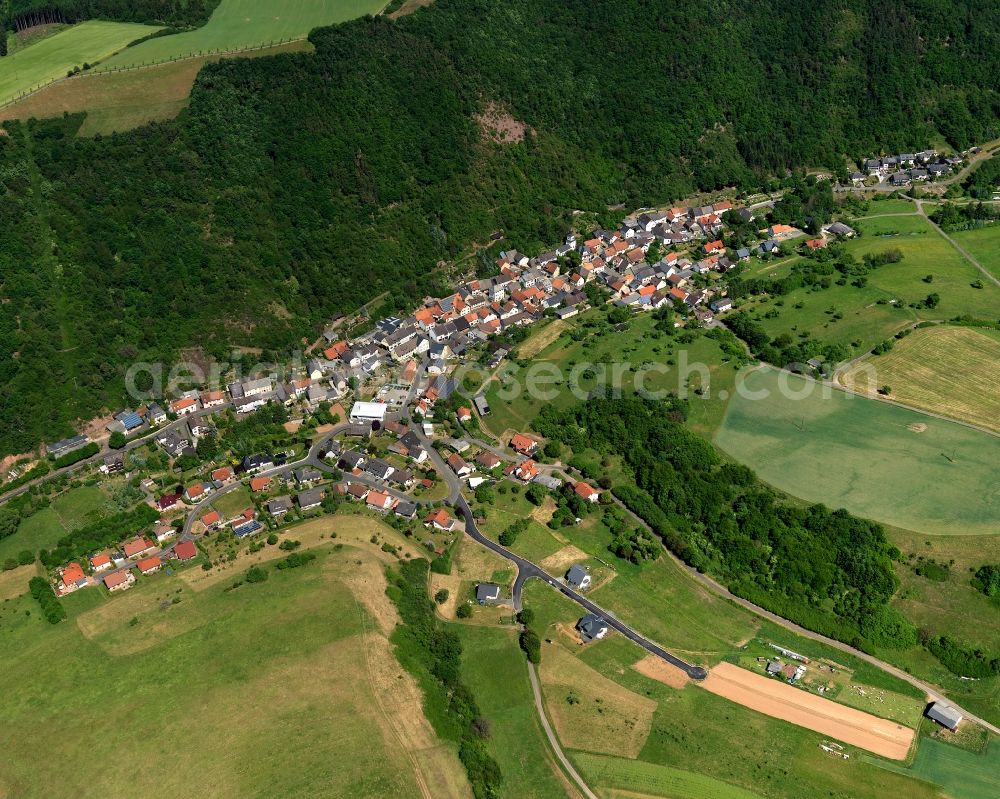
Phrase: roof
(369,410)
(259,483)
(73,573)
(944,714)
(148,564)
(439,517)
(212,517)
(116,579)
(378,498)
(522,442)
(185,550)
(100,559)
(584,490)
(135,546)
(487,592)
(311,497)
(591,625)
(576,574)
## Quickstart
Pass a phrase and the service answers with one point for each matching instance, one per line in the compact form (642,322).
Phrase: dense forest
(827,570)
(18,14)
(302,185)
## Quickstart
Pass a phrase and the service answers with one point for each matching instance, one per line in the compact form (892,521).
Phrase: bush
(526,617)
(117,440)
(272,539)
(442,596)
(256,574)
(464,611)
(295,560)
(288,545)
(25,557)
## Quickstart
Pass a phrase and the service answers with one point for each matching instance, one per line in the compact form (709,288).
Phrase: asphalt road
(527,570)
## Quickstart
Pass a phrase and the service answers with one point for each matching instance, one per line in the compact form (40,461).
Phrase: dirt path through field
(782,701)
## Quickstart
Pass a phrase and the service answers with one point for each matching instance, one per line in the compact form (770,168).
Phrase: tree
(256,574)
(117,440)
(526,616)
(536,493)
(485,495)
(441,596)
(552,449)
(25,557)
(531,644)
(9,521)
(464,611)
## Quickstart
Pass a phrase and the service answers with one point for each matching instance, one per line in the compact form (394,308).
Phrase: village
(414,357)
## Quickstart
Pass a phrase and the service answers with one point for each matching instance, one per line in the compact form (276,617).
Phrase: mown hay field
(953,371)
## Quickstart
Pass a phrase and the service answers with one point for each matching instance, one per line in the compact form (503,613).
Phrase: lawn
(953,371)
(44,528)
(877,460)
(236,501)
(958,772)
(239,24)
(52,57)
(983,244)
(681,368)
(495,670)
(286,687)
(124,100)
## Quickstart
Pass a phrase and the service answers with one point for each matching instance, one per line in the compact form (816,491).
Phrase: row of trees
(825,569)
(434,654)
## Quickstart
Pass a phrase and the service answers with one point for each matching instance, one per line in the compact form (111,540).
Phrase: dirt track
(778,699)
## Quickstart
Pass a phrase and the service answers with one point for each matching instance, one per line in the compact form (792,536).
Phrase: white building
(368,412)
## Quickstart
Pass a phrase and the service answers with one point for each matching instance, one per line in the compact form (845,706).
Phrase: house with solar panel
(125,422)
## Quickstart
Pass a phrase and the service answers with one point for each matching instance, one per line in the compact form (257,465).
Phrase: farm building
(945,715)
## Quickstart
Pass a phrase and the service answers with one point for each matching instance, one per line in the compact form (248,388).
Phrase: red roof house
(185,550)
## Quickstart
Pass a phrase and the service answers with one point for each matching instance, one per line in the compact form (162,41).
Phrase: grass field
(866,456)
(953,371)
(52,57)
(287,687)
(494,668)
(983,244)
(697,732)
(124,100)
(41,530)
(238,24)
(952,605)
(514,408)
(960,774)
(650,779)
(853,317)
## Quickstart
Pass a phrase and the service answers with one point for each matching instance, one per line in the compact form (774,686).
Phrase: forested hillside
(301,185)
(181,13)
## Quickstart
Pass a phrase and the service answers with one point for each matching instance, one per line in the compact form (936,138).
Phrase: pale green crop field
(866,456)
(238,24)
(54,56)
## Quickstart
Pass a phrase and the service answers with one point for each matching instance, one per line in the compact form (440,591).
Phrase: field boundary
(116,70)
(783,701)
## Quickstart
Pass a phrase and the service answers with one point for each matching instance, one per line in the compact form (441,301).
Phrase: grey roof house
(592,627)
(487,593)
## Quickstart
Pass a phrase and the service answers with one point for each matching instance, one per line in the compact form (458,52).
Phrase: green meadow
(877,460)
(861,317)
(692,744)
(240,24)
(44,528)
(54,56)
(983,244)
(270,689)
(961,774)
(494,668)
(682,368)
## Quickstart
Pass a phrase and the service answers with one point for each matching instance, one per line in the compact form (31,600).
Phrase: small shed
(945,715)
